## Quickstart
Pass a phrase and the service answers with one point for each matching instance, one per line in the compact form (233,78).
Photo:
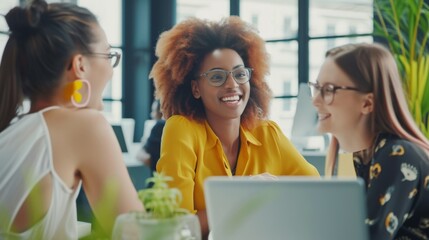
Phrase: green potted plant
(163,218)
(405,26)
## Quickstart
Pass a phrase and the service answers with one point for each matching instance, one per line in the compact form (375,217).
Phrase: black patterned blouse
(397,182)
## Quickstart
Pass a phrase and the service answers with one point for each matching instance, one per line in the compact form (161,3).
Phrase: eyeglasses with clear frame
(217,77)
(327,91)
(114,57)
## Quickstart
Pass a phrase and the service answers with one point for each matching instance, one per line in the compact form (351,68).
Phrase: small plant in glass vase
(163,218)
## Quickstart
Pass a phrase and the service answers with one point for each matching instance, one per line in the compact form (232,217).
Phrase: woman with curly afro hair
(210,78)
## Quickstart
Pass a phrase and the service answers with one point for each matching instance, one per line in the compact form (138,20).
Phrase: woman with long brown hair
(360,101)
(58,57)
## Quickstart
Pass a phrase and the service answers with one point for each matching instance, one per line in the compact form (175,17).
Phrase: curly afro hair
(181,51)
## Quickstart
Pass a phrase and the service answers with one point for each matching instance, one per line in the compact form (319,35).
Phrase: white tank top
(25,158)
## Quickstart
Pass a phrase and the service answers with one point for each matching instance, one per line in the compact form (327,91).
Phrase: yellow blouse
(191,152)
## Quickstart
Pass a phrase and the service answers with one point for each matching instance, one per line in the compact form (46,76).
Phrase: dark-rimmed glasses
(217,77)
(114,57)
(327,91)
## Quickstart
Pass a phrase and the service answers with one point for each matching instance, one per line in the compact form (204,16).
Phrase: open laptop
(296,208)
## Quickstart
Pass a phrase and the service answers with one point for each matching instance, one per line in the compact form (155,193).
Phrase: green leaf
(405,26)
(160,201)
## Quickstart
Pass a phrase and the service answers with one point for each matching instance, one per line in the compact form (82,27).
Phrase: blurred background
(297,32)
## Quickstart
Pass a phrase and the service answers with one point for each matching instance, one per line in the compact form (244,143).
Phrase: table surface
(130,157)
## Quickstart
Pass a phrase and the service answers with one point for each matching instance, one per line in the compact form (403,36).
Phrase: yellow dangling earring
(73,92)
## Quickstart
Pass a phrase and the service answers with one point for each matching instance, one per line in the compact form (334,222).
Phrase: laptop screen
(117,128)
(298,208)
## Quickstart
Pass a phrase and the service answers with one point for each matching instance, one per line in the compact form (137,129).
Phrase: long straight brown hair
(372,68)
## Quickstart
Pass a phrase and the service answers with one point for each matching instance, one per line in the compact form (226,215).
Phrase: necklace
(236,159)
(365,156)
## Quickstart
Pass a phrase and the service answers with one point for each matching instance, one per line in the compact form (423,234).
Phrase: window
(287,27)
(109,14)
(334,23)
(286,89)
(5,6)
(330,30)
(352,31)
(255,20)
(206,9)
(273,15)
(278,25)
(330,23)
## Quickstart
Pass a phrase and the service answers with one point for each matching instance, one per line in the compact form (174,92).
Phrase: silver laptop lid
(297,208)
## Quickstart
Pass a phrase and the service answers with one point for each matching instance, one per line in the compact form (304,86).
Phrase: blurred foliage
(405,27)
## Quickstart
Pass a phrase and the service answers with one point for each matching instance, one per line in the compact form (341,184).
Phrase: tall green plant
(405,26)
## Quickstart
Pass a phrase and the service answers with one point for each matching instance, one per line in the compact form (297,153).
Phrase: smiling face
(347,115)
(229,100)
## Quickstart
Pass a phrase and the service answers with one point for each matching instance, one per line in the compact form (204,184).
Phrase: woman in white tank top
(58,57)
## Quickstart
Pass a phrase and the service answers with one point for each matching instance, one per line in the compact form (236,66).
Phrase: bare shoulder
(82,129)
(81,121)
